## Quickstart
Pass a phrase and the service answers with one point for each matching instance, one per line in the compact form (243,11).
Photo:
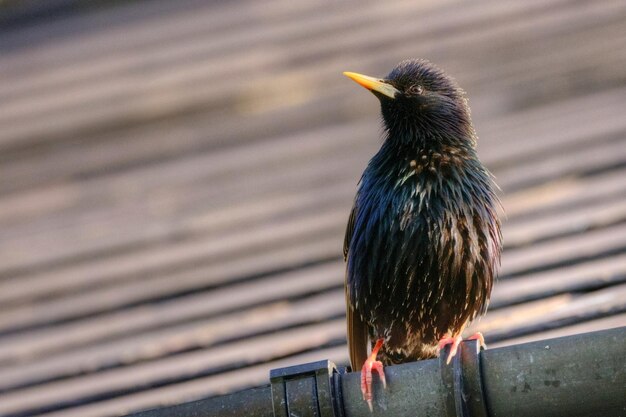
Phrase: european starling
(423,240)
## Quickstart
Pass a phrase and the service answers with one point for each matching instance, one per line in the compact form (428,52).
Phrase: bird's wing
(349,231)
(357,329)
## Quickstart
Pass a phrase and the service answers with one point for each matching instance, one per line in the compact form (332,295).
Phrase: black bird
(423,240)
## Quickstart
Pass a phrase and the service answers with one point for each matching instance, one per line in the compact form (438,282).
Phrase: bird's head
(417,99)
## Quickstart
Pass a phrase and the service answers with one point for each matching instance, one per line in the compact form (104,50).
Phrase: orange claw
(366,374)
(455,341)
(481,339)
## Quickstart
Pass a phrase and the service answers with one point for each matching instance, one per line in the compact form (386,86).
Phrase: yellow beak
(373,84)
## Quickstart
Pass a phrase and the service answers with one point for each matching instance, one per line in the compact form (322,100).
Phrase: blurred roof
(176,178)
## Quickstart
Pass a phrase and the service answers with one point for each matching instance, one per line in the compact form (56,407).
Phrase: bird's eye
(416,89)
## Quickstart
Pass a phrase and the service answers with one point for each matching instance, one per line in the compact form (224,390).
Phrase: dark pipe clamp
(320,380)
(463,381)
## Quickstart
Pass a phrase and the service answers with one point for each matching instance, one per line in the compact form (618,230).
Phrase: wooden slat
(600,215)
(197,388)
(583,276)
(552,313)
(564,251)
(562,194)
(618,320)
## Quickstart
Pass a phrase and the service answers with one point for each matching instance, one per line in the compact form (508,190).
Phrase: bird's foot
(449,340)
(481,339)
(455,341)
(366,374)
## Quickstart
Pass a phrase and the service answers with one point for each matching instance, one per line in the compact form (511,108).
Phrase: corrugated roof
(176,178)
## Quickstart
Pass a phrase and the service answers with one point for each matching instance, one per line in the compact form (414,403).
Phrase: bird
(423,241)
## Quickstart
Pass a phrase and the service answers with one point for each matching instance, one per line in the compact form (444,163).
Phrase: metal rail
(581,375)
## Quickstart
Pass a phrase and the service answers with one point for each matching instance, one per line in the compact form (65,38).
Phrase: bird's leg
(455,341)
(366,374)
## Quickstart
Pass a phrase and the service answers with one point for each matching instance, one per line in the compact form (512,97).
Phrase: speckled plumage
(423,240)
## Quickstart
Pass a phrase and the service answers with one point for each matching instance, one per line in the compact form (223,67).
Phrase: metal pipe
(581,375)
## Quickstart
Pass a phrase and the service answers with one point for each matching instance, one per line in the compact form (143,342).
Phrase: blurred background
(175,180)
